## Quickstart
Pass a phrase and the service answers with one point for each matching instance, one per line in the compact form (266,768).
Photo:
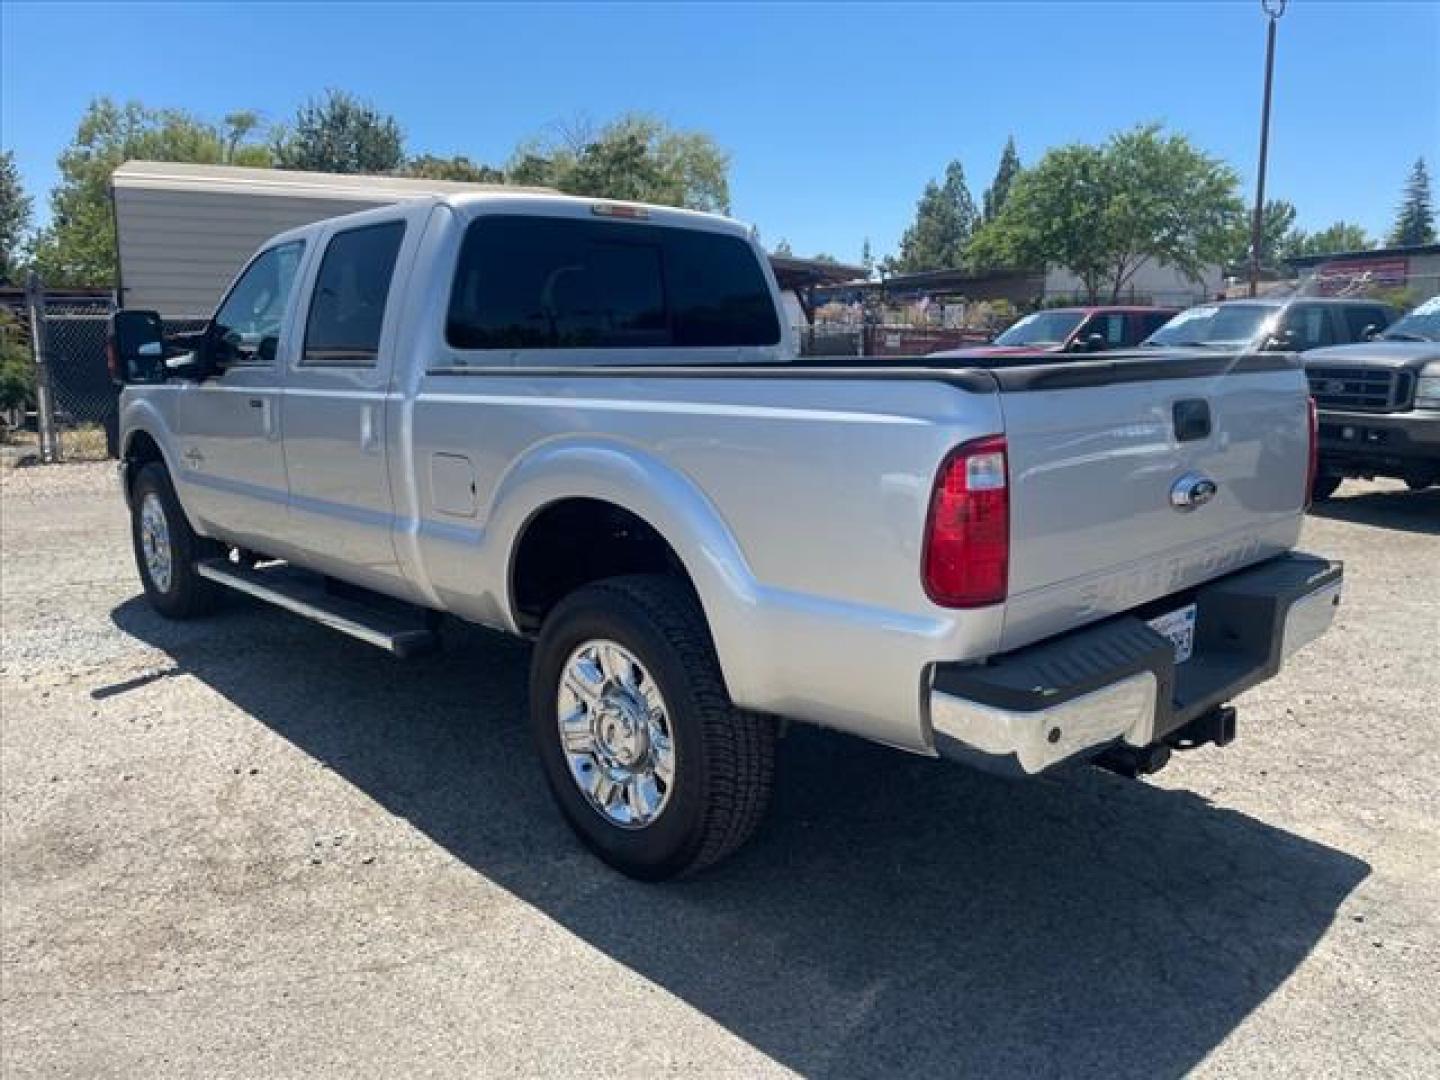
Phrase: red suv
(1078,329)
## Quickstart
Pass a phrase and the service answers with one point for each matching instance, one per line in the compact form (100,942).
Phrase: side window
(1360,319)
(1150,321)
(347,309)
(246,328)
(1310,324)
(1110,326)
(566,283)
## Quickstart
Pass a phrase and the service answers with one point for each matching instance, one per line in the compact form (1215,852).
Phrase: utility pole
(1273,10)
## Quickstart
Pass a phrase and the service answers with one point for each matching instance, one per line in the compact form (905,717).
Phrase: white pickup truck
(583,422)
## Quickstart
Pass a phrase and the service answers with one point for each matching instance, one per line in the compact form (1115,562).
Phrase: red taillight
(967,540)
(1314,470)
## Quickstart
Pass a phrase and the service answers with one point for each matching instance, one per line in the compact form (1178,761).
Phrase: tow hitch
(1216,726)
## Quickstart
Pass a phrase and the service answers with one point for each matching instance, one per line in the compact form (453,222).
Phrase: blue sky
(835,114)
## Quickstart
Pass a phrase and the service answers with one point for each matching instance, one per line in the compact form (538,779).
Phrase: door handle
(369,441)
(267,424)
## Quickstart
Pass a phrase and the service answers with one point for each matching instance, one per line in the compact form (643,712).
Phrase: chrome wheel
(616,734)
(155,541)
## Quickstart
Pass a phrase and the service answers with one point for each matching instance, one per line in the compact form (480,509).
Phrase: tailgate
(1100,454)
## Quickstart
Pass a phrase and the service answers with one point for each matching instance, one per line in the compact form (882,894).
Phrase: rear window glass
(565,283)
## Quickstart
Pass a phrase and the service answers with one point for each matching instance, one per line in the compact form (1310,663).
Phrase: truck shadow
(1407,511)
(895,916)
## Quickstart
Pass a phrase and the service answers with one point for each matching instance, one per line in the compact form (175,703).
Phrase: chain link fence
(85,403)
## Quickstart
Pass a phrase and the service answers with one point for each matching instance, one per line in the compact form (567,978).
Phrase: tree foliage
(78,246)
(945,220)
(339,133)
(783,249)
(17,369)
(15,207)
(1341,236)
(1104,211)
(867,259)
(1277,233)
(999,190)
(636,158)
(1415,220)
(458,167)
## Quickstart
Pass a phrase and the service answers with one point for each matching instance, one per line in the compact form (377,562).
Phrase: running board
(395,632)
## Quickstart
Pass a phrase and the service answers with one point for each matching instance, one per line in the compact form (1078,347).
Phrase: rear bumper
(1117,680)
(1358,440)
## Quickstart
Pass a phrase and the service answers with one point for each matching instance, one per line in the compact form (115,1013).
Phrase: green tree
(339,133)
(1103,211)
(17,369)
(1415,220)
(459,167)
(945,220)
(236,129)
(15,207)
(635,157)
(867,259)
(1277,235)
(78,247)
(783,249)
(1341,236)
(999,190)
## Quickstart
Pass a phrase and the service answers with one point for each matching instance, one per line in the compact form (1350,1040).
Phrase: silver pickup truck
(584,422)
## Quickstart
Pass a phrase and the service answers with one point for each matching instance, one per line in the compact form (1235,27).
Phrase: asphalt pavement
(246,846)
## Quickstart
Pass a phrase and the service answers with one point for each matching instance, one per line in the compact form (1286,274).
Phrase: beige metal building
(184,231)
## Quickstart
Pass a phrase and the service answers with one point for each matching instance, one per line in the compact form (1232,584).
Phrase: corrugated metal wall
(179,250)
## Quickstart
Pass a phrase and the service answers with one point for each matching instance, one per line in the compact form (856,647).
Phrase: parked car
(583,422)
(1078,329)
(1379,404)
(1273,323)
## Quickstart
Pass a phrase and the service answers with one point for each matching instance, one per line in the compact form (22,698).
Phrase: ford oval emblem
(1192,491)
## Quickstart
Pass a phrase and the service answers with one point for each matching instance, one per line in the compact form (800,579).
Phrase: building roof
(1302,261)
(793,273)
(177,176)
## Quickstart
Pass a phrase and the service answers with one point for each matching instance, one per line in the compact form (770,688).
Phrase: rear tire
(1325,485)
(651,764)
(167,548)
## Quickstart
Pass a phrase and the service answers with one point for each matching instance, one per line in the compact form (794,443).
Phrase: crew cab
(1288,324)
(1073,330)
(1379,404)
(584,422)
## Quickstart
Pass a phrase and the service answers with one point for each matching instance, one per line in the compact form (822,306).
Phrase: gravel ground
(246,846)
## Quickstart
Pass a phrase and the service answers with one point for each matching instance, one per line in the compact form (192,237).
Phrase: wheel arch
(678,530)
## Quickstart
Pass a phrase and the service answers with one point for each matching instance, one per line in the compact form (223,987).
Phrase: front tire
(651,764)
(167,548)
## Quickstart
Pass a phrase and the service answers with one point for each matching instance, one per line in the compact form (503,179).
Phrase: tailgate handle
(1192,419)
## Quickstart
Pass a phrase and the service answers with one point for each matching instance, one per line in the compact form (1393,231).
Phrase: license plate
(1179,628)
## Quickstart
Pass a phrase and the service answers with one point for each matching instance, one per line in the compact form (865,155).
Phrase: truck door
(341,509)
(231,467)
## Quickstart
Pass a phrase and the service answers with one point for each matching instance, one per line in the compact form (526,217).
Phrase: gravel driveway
(246,846)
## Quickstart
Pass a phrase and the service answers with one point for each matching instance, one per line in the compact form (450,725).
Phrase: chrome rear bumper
(1117,680)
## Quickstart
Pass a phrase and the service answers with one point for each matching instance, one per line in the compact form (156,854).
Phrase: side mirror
(1370,333)
(1095,343)
(135,347)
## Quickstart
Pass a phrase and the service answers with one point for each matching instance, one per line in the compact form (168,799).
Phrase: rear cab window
(531,282)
